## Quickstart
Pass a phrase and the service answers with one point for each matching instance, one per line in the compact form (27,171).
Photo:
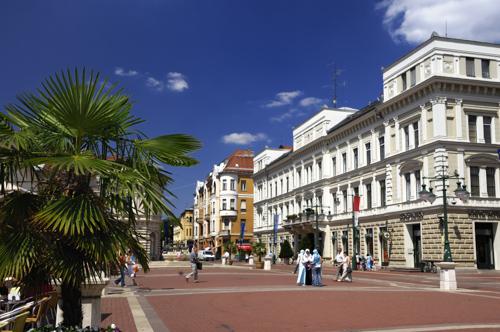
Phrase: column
(413,186)
(425,171)
(398,136)
(327,243)
(387,138)
(483,185)
(411,136)
(361,149)
(398,197)
(439,116)
(423,127)
(480,129)
(458,118)
(374,146)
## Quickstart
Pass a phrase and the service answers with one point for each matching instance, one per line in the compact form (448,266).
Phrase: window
(344,198)
(413,76)
(287,184)
(403,78)
(233,185)
(356,191)
(335,203)
(344,162)
(472,128)
(415,133)
(334,166)
(490,181)
(320,176)
(406,138)
(243,185)
(231,204)
(408,187)
(224,184)
(224,204)
(469,67)
(368,196)
(485,68)
(382,192)
(487,129)
(213,207)
(355,158)
(298,178)
(270,190)
(281,186)
(381,145)
(243,205)
(474,181)
(368,153)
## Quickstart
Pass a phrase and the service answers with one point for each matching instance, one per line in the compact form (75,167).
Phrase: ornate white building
(439,116)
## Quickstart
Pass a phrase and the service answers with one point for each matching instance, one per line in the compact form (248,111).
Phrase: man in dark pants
(193,259)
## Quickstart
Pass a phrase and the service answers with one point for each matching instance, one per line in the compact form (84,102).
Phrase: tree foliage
(74,174)
(286,250)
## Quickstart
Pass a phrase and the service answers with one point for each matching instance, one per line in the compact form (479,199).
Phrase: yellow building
(183,234)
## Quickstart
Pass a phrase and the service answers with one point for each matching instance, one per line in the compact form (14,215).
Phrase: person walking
(347,270)
(301,276)
(339,259)
(122,265)
(193,259)
(316,269)
(132,266)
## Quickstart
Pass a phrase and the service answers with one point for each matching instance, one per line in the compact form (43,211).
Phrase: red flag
(355,203)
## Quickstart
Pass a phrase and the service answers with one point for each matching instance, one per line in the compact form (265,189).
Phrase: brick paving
(240,299)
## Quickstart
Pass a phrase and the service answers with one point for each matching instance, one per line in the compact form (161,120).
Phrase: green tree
(286,250)
(259,249)
(74,174)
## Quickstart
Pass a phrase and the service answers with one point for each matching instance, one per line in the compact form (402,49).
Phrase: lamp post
(316,219)
(429,196)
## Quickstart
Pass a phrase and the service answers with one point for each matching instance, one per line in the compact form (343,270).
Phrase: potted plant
(230,247)
(286,252)
(259,249)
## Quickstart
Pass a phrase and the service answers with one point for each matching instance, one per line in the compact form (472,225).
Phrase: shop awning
(245,247)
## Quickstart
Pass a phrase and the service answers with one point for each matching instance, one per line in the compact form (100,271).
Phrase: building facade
(439,116)
(223,203)
(183,233)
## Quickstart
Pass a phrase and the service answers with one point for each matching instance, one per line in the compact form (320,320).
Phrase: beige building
(439,116)
(223,203)
(183,234)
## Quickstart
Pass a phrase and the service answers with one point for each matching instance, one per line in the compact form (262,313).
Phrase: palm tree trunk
(72,305)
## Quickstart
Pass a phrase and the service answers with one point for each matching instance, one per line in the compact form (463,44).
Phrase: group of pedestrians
(128,267)
(308,268)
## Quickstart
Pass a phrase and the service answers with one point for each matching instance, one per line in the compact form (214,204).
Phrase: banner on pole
(242,229)
(355,209)
(275,228)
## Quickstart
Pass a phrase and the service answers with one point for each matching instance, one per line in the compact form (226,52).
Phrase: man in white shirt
(339,259)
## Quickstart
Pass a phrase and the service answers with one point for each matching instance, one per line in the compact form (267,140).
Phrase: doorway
(485,256)
(417,245)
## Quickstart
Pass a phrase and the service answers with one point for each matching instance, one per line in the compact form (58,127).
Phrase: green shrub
(286,250)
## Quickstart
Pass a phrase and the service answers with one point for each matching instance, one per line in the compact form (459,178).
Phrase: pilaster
(458,118)
(439,116)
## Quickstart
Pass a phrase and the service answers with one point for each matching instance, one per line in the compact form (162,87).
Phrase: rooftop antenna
(446,28)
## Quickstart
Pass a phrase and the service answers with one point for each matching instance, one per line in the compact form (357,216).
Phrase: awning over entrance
(245,247)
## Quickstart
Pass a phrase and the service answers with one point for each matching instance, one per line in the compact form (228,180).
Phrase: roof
(437,37)
(240,160)
(354,116)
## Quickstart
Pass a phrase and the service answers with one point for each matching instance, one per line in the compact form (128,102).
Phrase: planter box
(259,265)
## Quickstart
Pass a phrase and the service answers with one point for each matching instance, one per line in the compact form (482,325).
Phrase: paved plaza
(237,298)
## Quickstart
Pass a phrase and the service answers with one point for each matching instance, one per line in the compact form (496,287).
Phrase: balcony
(228,213)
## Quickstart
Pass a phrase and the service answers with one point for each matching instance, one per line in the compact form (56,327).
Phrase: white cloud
(309,101)
(122,72)
(244,138)
(177,82)
(155,84)
(414,21)
(293,112)
(284,98)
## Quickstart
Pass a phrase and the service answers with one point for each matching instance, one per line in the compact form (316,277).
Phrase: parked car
(206,255)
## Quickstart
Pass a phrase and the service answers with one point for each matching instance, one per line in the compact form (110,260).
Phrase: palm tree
(74,174)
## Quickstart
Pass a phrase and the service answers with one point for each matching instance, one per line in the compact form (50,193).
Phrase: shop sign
(411,216)
(484,214)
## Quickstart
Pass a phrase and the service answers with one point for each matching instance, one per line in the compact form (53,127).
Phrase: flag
(275,228)
(355,209)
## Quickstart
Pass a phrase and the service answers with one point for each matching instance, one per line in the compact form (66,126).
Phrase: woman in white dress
(301,275)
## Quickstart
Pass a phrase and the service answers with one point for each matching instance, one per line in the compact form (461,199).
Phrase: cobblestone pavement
(237,298)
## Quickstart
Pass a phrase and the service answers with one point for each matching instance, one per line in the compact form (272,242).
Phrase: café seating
(17,322)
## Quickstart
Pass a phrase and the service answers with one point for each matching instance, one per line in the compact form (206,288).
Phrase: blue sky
(245,70)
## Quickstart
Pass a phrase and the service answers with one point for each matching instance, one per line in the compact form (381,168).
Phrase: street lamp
(428,196)
(316,229)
